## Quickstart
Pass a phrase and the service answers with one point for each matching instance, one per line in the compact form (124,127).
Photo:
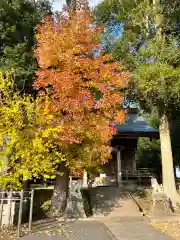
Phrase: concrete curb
(137,204)
(109,231)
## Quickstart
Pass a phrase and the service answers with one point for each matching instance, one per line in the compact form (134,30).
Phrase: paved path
(115,208)
(88,230)
(115,229)
(133,228)
(112,202)
(77,230)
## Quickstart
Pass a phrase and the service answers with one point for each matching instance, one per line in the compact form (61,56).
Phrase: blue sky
(57,4)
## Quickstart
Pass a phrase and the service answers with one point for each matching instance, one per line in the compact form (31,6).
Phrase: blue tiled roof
(135,123)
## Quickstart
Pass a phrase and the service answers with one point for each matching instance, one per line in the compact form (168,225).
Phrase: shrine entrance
(122,166)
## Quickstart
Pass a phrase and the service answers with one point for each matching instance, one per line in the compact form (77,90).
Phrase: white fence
(11,203)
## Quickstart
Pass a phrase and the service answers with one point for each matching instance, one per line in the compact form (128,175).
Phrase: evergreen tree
(18,20)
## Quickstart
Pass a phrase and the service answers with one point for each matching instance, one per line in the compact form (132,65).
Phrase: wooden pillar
(85,179)
(119,170)
(134,159)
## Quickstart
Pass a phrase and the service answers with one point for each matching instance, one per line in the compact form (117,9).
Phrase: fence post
(20,213)
(10,208)
(1,207)
(31,209)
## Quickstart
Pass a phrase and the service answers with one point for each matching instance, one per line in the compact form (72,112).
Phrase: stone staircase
(113,202)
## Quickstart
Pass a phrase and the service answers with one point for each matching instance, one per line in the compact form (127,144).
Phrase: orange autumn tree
(84,91)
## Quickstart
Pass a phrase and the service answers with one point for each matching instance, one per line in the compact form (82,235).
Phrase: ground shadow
(105,199)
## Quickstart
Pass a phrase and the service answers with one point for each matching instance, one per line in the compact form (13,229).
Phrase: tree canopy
(26,137)
(142,52)
(18,20)
(85,88)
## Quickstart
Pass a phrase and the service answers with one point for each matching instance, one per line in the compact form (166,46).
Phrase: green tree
(148,152)
(18,20)
(150,49)
(148,155)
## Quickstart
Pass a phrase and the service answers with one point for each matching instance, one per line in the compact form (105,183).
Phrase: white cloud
(58,4)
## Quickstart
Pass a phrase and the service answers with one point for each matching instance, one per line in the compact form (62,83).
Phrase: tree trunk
(26,185)
(169,185)
(60,194)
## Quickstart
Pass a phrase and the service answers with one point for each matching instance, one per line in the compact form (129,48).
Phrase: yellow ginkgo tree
(27,137)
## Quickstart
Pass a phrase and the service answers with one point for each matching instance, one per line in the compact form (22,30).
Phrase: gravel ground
(168,227)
